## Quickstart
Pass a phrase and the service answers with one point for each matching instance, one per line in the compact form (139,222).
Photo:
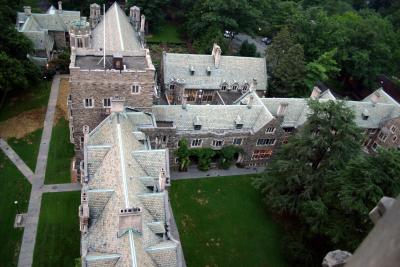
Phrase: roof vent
(239,122)
(208,70)
(197,123)
(365,114)
(191,69)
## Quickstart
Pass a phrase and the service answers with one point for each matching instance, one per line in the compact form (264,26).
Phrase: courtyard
(223,222)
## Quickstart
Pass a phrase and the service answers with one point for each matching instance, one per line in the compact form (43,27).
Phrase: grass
(57,241)
(13,186)
(27,147)
(19,102)
(167,33)
(60,153)
(223,222)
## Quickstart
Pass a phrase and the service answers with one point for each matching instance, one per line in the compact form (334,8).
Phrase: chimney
(94,15)
(183,101)
(162,179)
(336,258)
(134,16)
(27,10)
(59,6)
(315,94)
(84,211)
(130,219)
(384,204)
(117,104)
(216,53)
(142,23)
(282,109)
(250,103)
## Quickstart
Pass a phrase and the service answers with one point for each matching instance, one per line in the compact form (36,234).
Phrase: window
(196,142)
(393,129)
(270,130)
(80,43)
(261,154)
(245,87)
(223,87)
(288,129)
(394,138)
(135,89)
(164,139)
(107,102)
(239,125)
(191,95)
(218,143)
(172,87)
(176,160)
(207,95)
(374,146)
(197,127)
(237,141)
(234,87)
(88,102)
(382,136)
(81,142)
(266,142)
(372,131)
(285,140)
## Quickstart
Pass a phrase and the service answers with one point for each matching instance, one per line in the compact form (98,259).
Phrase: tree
(285,59)
(321,69)
(183,154)
(247,50)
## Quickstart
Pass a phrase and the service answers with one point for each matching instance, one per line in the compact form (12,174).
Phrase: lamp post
(16,204)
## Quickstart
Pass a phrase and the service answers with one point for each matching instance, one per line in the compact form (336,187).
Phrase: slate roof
(213,118)
(125,168)
(120,34)
(231,70)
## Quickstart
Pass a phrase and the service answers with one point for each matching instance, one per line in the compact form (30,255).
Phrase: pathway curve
(32,220)
(18,162)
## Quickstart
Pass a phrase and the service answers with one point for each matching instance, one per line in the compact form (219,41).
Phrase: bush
(247,49)
(205,156)
(183,154)
(227,155)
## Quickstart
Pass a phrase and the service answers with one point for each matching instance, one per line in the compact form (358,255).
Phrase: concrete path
(61,187)
(32,220)
(194,173)
(18,162)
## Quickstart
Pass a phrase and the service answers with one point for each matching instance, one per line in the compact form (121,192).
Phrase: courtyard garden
(223,222)
(13,187)
(57,241)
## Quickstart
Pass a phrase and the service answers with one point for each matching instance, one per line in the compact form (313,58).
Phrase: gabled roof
(231,70)
(120,34)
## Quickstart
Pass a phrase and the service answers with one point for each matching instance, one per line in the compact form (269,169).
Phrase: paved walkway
(194,173)
(61,187)
(19,163)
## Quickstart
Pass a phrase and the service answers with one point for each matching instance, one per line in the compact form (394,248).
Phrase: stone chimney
(316,93)
(251,100)
(216,53)
(117,104)
(27,10)
(130,219)
(162,180)
(134,16)
(336,258)
(94,15)
(84,211)
(384,204)
(183,101)
(142,28)
(59,6)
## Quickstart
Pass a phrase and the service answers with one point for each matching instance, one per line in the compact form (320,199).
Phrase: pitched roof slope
(231,70)
(120,34)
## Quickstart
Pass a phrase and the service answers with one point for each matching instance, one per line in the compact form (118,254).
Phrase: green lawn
(22,101)
(168,33)
(27,147)
(60,154)
(223,222)
(57,241)
(13,186)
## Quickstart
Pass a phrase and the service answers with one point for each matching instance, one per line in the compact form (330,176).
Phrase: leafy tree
(247,50)
(321,69)
(205,156)
(204,42)
(285,59)
(183,154)
(227,154)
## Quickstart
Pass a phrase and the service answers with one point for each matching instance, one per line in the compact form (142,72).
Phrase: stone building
(108,60)
(125,215)
(211,79)
(47,31)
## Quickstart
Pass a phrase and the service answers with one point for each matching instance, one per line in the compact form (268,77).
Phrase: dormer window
(224,86)
(245,87)
(235,87)
(172,86)
(282,109)
(197,123)
(365,114)
(239,125)
(197,127)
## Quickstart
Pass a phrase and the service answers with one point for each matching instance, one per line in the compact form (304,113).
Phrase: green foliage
(60,63)
(321,69)
(248,50)
(153,10)
(286,63)
(227,155)
(204,42)
(204,156)
(168,33)
(183,154)
(299,178)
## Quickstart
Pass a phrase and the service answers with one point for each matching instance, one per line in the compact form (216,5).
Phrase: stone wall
(106,84)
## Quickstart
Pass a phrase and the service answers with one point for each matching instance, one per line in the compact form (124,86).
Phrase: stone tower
(134,17)
(79,33)
(94,15)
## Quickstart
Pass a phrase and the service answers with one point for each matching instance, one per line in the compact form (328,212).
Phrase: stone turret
(79,33)
(134,17)
(95,15)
